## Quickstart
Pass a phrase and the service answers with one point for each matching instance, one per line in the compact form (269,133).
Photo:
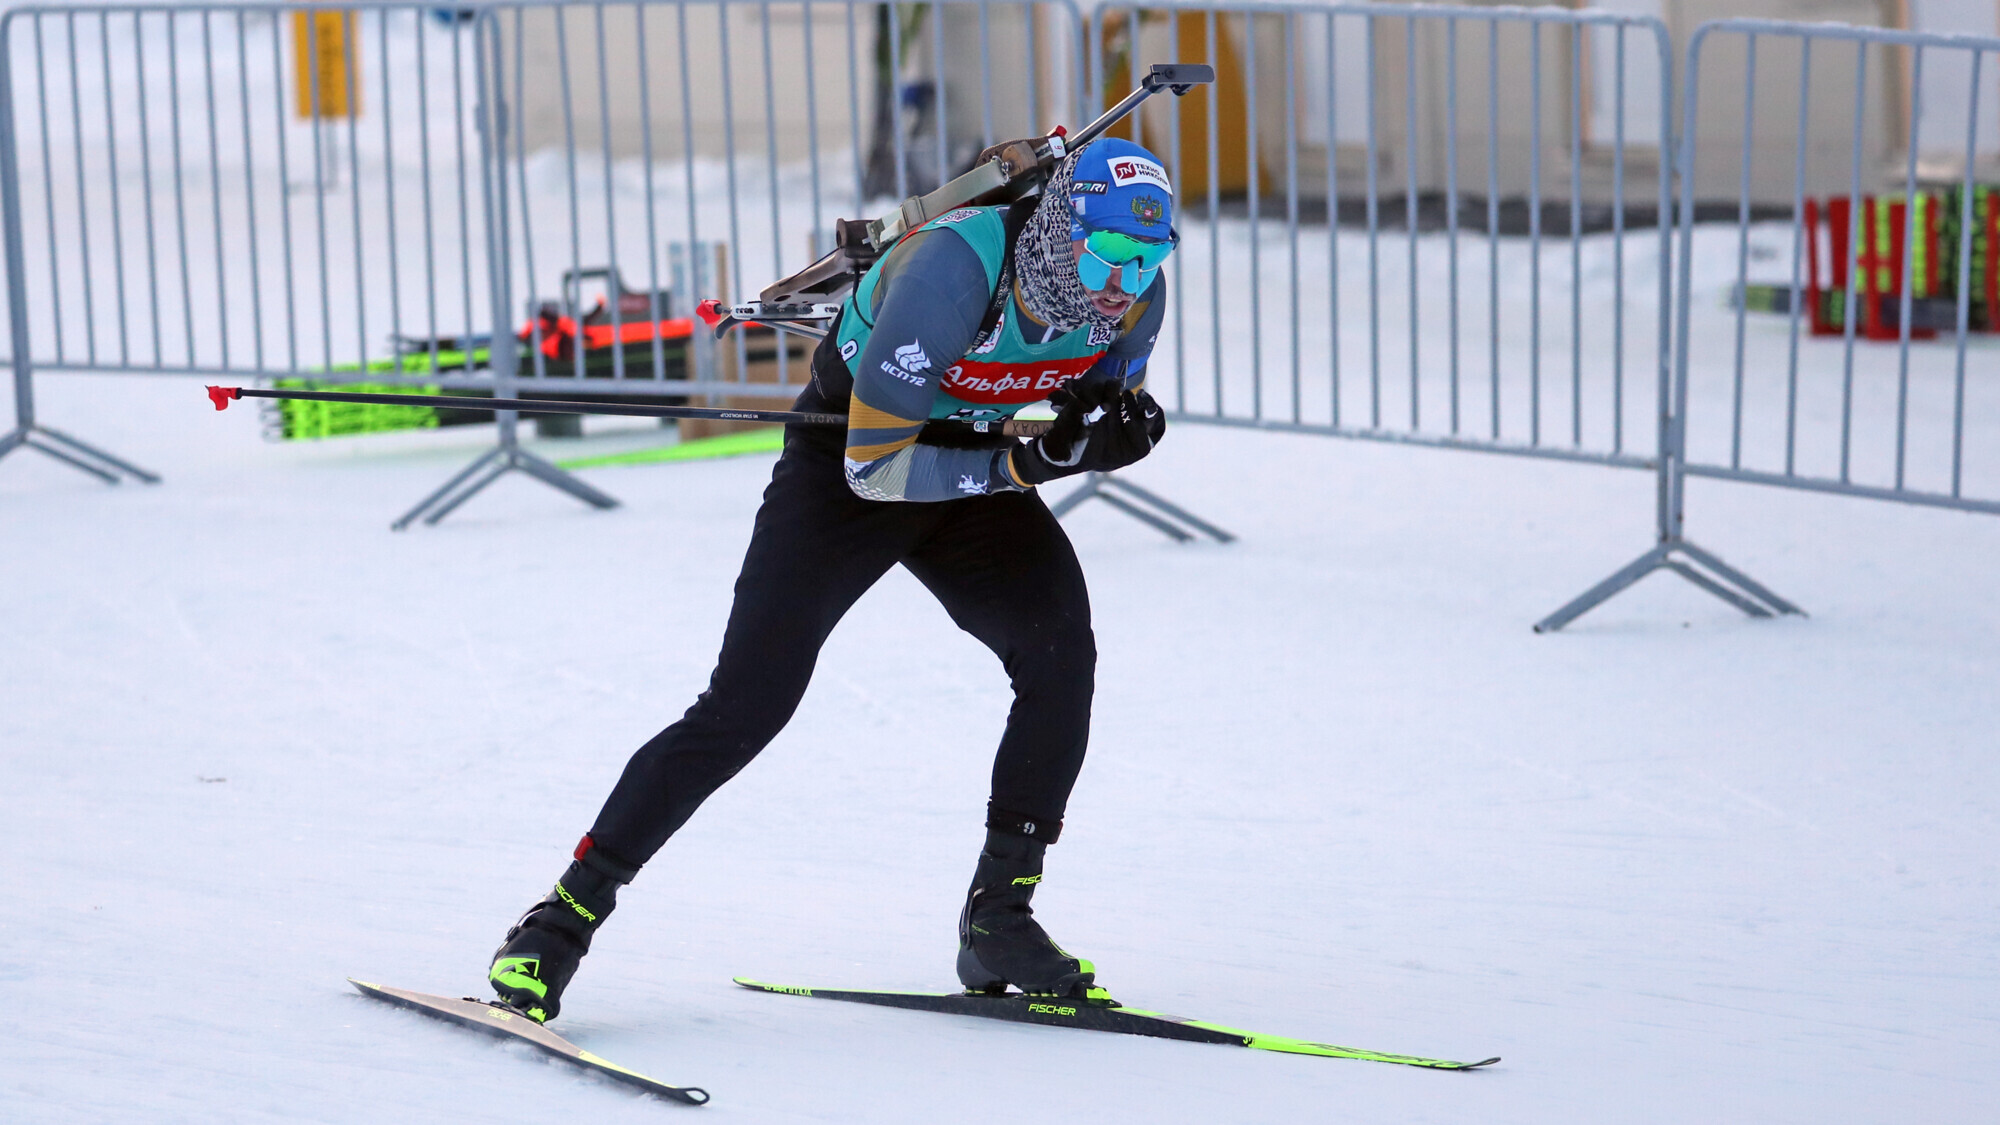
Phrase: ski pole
(220,396)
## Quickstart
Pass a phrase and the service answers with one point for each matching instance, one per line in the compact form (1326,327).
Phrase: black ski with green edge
(498,1019)
(1102,1016)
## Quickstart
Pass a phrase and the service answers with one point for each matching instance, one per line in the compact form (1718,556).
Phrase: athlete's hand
(1124,430)
(1056,453)
(1088,392)
(1075,401)
(1129,430)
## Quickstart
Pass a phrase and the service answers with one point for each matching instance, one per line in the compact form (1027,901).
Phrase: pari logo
(1127,170)
(911,363)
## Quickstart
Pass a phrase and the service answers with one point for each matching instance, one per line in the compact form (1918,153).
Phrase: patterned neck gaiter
(1047,269)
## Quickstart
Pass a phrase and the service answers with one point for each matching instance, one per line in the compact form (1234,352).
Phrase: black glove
(1156,419)
(1130,424)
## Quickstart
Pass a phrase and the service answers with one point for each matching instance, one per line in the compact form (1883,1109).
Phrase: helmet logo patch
(1127,170)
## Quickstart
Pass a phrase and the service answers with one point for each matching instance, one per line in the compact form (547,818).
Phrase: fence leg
(1743,581)
(1685,559)
(1147,507)
(497,462)
(29,434)
(556,478)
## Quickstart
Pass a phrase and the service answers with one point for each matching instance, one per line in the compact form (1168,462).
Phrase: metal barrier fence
(1413,223)
(365,192)
(193,190)
(1905,415)
(1889,236)
(1430,224)
(193,219)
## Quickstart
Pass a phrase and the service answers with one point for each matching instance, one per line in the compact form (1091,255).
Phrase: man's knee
(1060,658)
(735,714)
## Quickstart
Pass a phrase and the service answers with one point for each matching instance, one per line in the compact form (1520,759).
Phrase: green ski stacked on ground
(293,420)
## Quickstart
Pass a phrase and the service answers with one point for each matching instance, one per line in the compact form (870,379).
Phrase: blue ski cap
(1119,186)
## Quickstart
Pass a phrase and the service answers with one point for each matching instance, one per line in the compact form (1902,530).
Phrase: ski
(498,1019)
(1056,1011)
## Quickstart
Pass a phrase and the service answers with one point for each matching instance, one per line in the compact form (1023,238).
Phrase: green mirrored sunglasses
(1134,259)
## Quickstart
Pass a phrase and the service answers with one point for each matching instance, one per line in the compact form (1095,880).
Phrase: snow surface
(1674,865)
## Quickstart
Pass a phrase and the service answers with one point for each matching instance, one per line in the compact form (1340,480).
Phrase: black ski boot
(533,966)
(999,941)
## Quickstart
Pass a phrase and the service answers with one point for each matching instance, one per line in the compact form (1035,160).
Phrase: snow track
(1673,865)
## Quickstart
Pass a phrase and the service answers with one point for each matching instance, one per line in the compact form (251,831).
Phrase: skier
(978,313)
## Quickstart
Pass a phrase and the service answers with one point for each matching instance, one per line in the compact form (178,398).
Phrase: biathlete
(976,314)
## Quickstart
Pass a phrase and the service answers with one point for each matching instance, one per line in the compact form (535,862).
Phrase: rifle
(1006,173)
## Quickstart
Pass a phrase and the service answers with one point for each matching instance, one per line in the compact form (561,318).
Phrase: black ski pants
(1002,568)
